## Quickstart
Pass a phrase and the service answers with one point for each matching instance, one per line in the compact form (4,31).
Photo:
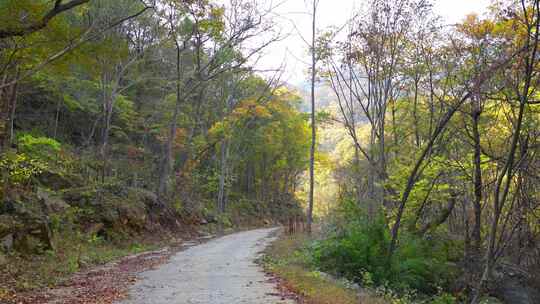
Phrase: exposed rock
(513,285)
(490,300)
(51,203)
(133,215)
(149,198)
(95,228)
(24,220)
(118,189)
(517,292)
(36,237)
(58,181)
(6,243)
(8,225)
(82,196)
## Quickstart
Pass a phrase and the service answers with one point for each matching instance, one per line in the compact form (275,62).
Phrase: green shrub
(358,250)
(444,299)
(224,220)
(19,168)
(38,147)
(33,156)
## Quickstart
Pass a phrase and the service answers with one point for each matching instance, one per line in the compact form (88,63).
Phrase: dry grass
(313,288)
(282,260)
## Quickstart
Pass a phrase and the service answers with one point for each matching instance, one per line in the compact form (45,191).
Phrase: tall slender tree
(313,72)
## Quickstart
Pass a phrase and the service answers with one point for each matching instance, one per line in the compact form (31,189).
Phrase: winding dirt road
(221,271)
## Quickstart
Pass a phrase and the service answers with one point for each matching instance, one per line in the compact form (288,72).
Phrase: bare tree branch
(58,8)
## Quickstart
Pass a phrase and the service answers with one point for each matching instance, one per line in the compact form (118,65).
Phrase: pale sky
(293,50)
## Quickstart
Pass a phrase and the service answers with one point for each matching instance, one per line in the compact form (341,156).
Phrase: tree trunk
(57,118)
(313,126)
(477,205)
(371,177)
(504,179)
(12,108)
(222,175)
(167,161)
(7,96)
(107,117)
(413,176)
(415,113)
(499,198)
(443,216)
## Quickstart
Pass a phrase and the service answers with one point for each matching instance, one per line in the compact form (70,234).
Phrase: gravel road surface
(221,271)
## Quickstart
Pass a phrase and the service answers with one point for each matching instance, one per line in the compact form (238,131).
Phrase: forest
(405,169)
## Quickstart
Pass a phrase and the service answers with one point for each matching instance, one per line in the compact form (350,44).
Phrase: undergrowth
(286,258)
(421,269)
(360,253)
(74,252)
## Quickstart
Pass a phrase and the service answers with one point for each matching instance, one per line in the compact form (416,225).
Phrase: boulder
(518,292)
(51,203)
(23,225)
(34,238)
(513,285)
(133,215)
(149,198)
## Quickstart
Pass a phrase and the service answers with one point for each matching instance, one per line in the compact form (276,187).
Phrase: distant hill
(324,96)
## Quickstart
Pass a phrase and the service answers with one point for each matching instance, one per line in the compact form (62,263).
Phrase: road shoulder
(108,283)
(289,267)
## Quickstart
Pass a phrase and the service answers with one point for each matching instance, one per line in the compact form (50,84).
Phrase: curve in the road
(222,271)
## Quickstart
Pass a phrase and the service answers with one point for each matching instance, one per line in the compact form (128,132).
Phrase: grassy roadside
(25,273)
(285,259)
